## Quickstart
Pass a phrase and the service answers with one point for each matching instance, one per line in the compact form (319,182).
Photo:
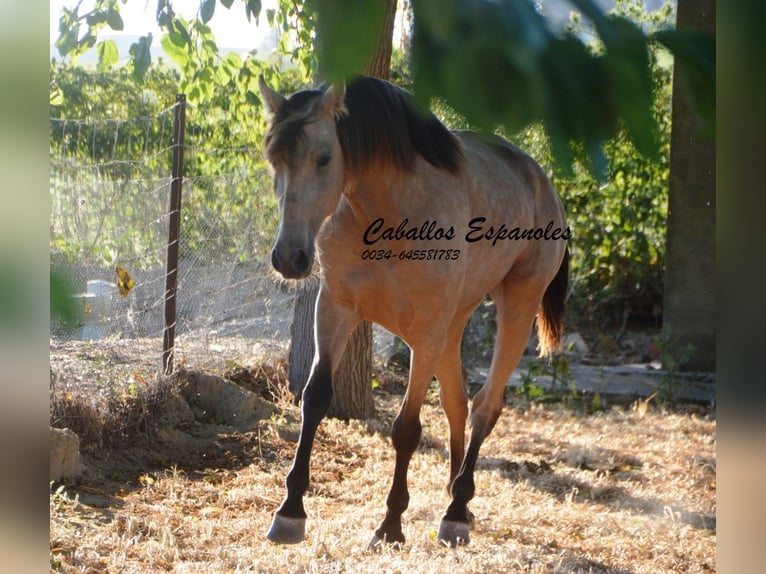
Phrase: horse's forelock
(286,128)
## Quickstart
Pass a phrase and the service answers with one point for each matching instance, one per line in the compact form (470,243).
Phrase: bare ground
(559,489)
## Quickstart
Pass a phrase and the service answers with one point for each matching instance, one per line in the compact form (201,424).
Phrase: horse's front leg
(332,327)
(405,436)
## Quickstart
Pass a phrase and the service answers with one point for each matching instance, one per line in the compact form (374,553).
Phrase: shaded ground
(173,484)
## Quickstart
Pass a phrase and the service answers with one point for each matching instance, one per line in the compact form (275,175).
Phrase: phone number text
(411,255)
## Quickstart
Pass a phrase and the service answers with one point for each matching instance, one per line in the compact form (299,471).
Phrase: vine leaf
(140,57)
(107,54)
(114,19)
(206,10)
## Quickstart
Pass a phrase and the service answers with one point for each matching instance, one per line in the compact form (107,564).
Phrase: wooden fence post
(174,234)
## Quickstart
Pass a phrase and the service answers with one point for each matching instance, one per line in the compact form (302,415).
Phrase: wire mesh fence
(110,185)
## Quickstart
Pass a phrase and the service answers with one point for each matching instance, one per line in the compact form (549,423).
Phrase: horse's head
(303,148)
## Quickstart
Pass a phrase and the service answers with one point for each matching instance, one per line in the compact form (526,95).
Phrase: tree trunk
(302,336)
(352,382)
(379,65)
(689,306)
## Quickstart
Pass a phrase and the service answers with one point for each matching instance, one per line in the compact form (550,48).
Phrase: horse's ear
(332,101)
(272,99)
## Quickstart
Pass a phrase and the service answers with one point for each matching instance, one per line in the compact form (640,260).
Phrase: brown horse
(413,225)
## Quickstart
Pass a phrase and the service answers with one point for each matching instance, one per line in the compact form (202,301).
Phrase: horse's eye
(322,161)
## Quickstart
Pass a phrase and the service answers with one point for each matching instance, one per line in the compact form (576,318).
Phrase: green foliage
(561,381)
(82,93)
(111,133)
(296,22)
(588,94)
(342,24)
(496,63)
(618,220)
(227,179)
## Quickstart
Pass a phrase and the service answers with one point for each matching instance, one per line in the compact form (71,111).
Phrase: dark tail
(550,318)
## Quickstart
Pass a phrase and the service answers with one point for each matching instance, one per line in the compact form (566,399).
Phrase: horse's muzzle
(292,263)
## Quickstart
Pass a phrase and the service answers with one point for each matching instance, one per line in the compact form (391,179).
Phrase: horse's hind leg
(332,328)
(514,316)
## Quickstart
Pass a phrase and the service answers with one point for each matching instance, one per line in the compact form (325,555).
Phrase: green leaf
(107,54)
(252,98)
(67,41)
(95,18)
(57,96)
(179,34)
(498,63)
(114,19)
(87,41)
(164,20)
(194,93)
(140,57)
(206,10)
(161,5)
(253,8)
(347,33)
(227,3)
(175,52)
(234,59)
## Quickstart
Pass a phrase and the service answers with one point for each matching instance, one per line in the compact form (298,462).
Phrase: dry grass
(557,491)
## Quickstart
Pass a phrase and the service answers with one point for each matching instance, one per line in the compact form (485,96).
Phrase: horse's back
(495,158)
(516,190)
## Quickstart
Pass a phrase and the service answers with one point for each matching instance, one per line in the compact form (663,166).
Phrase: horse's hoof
(377,543)
(453,533)
(287,530)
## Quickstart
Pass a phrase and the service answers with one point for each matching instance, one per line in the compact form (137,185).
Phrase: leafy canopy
(496,63)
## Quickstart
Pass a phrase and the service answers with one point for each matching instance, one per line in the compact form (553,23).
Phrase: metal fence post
(174,234)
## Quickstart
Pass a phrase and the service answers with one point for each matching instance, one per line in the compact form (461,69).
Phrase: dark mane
(383,123)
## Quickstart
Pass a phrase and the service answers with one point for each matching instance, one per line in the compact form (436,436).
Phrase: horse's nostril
(301,260)
(276,262)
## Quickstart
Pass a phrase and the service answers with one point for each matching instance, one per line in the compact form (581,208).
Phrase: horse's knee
(405,435)
(454,402)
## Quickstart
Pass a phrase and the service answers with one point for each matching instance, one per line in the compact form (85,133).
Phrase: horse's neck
(373,194)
